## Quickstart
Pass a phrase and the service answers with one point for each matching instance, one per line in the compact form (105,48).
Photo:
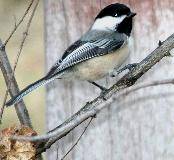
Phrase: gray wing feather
(88,50)
(84,52)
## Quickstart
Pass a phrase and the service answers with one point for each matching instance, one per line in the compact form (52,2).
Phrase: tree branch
(77,139)
(145,85)
(18,24)
(8,73)
(93,107)
(25,34)
(12,86)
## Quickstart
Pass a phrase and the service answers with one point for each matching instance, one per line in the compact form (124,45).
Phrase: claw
(130,67)
(102,94)
(160,43)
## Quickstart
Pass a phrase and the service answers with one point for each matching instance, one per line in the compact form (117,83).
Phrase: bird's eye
(116,15)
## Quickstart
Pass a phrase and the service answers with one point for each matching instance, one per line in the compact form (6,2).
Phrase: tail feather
(28,89)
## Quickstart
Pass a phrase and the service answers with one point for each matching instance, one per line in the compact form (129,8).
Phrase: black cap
(113,10)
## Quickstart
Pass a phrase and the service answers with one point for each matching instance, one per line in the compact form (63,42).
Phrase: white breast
(98,67)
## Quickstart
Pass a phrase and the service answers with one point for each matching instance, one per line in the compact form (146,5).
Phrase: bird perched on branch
(103,48)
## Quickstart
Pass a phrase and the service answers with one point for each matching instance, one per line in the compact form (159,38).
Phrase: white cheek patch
(107,22)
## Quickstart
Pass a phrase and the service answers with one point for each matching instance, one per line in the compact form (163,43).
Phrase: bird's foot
(130,67)
(102,93)
(103,89)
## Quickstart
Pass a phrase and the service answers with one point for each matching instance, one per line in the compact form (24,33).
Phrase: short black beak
(132,14)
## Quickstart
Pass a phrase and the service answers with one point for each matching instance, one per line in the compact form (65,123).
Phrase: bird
(96,54)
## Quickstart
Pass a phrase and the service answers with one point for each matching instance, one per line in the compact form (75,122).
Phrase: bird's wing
(87,50)
(69,50)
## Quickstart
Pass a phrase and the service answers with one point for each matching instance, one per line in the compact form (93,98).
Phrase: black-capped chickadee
(103,48)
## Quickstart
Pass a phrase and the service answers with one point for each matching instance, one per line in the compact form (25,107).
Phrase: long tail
(29,89)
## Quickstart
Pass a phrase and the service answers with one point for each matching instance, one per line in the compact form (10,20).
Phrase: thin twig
(146,85)
(14,20)
(57,156)
(20,21)
(16,61)
(78,139)
(7,71)
(3,106)
(25,34)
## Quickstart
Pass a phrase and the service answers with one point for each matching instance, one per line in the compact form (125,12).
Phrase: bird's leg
(99,86)
(103,89)
(130,67)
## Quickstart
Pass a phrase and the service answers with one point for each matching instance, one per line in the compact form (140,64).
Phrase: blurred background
(31,63)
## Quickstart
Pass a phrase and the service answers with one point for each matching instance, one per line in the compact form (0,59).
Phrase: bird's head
(115,17)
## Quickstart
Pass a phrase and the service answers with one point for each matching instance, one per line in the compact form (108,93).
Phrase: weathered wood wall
(137,127)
